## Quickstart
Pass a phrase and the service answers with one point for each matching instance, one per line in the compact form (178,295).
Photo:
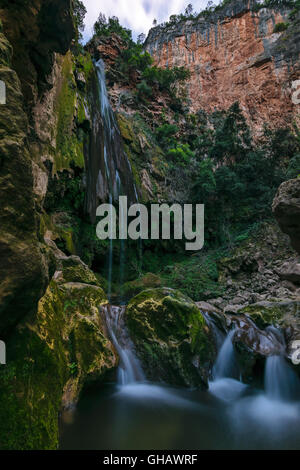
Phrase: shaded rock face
(286,208)
(30,36)
(37,30)
(171,337)
(233,55)
(24,266)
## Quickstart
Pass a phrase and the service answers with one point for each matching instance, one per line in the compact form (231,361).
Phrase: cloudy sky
(137,15)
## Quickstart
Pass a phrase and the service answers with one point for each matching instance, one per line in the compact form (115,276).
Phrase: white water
(113,158)
(270,416)
(130,370)
(142,415)
(281,382)
(226,365)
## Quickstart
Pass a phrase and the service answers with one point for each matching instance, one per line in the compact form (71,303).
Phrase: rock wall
(234,55)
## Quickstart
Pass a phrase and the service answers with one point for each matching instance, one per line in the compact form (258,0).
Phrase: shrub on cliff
(104,27)
(165,79)
(279,27)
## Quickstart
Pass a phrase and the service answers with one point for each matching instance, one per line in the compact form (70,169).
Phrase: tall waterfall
(115,177)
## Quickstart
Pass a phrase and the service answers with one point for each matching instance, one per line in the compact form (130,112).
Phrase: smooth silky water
(136,414)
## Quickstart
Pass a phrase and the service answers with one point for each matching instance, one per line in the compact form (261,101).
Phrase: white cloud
(138,15)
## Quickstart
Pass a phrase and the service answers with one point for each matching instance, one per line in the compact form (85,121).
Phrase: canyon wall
(234,55)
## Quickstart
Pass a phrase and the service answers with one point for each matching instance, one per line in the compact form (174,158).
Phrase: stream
(134,414)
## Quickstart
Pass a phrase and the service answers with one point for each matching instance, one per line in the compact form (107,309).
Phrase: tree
(189,10)
(104,27)
(79,12)
(141,38)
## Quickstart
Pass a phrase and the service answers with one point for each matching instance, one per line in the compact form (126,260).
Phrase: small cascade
(226,365)
(281,382)
(130,370)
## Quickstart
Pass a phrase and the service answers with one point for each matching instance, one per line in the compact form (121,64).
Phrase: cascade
(130,370)
(226,365)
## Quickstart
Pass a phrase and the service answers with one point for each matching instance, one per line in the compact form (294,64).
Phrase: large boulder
(171,337)
(286,208)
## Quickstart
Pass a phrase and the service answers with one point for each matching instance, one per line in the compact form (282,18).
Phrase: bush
(104,27)
(180,156)
(165,135)
(279,27)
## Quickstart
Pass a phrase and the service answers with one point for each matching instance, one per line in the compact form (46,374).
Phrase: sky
(138,15)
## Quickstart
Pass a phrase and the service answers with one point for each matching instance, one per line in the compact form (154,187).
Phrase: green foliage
(73,368)
(144,90)
(133,59)
(237,179)
(65,193)
(165,135)
(279,27)
(69,142)
(104,27)
(196,276)
(180,156)
(293,170)
(165,79)
(79,12)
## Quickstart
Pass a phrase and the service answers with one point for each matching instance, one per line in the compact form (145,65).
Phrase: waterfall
(129,370)
(226,365)
(115,173)
(217,333)
(281,382)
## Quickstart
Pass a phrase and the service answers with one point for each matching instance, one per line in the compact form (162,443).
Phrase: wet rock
(171,337)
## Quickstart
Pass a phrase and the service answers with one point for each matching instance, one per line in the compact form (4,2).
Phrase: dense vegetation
(211,8)
(214,158)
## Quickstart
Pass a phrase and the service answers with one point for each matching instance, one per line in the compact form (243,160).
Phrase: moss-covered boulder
(50,357)
(171,337)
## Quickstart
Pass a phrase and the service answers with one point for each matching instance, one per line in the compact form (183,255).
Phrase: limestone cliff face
(234,55)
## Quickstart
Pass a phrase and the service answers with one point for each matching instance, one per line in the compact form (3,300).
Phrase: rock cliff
(234,54)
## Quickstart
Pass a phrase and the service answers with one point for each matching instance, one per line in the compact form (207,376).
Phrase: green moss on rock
(51,356)
(170,336)
(69,148)
(283,313)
